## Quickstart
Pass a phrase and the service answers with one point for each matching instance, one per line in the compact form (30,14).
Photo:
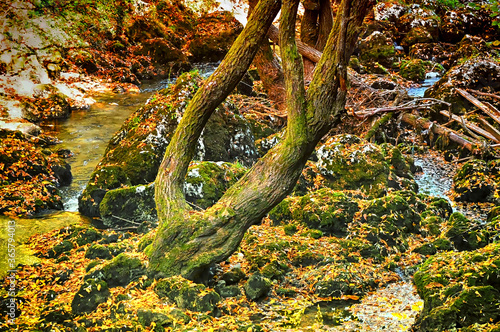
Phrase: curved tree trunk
(188,242)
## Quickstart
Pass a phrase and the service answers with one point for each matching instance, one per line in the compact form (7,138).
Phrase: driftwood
(418,122)
(470,126)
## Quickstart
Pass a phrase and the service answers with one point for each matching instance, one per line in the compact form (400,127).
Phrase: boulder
(187,295)
(413,70)
(347,162)
(257,287)
(376,49)
(476,73)
(92,293)
(474,182)
(47,103)
(214,34)
(459,289)
(135,152)
(120,271)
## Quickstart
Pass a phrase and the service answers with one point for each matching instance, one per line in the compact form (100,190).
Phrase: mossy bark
(187,242)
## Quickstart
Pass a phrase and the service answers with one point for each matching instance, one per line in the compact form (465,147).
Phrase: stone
(474,182)
(98,251)
(257,287)
(187,295)
(413,70)
(233,276)
(120,271)
(377,48)
(92,293)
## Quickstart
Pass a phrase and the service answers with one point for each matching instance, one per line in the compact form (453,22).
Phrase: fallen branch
(409,106)
(492,130)
(471,126)
(484,94)
(461,140)
(479,104)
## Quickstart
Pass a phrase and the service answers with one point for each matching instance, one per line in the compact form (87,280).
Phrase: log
(485,94)
(471,126)
(492,130)
(418,122)
(479,104)
(309,52)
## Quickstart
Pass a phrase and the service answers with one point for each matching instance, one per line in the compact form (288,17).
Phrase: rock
(464,233)
(473,182)
(92,293)
(207,181)
(417,35)
(187,295)
(383,84)
(159,318)
(413,70)
(347,162)
(27,176)
(85,236)
(63,247)
(476,73)
(62,171)
(120,271)
(257,287)
(135,204)
(327,210)
(214,35)
(47,103)
(228,291)
(135,152)
(98,251)
(377,49)
(233,276)
(440,53)
(459,289)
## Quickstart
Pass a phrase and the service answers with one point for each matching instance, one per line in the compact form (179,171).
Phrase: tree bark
(269,70)
(187,242)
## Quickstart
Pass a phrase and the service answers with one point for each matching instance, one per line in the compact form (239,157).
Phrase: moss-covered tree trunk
(188,242)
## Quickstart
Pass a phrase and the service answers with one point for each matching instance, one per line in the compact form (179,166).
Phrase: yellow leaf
(99,287)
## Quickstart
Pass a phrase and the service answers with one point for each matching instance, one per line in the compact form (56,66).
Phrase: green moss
(413,70)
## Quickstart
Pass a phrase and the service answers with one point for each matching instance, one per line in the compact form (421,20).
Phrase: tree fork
(188,243)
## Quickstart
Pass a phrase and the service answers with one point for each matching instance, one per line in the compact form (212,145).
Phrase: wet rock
(257,287)
(476,73)
(62,171)
(187,295)
(86,236)
(352,282)
(213,37)
(459,289)
(120,271)
(135,152)
(92,293)
(413,70)
(445,55)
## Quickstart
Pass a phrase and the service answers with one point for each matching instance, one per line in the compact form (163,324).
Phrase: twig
(123,219)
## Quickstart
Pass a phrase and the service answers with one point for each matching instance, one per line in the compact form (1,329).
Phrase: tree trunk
(309,36)
(325,24)
(270,71)
(189,243)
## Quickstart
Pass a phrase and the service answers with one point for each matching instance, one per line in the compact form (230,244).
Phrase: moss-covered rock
(413,70)
(257,287)
(327,210)
(474,182)
(120,271)
(459,289)
(92,293)
(377,48)
(347,162)
(187,295)
(135,152)
(475,73)
(207,181)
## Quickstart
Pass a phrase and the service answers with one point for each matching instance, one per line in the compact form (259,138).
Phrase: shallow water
(419,91)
